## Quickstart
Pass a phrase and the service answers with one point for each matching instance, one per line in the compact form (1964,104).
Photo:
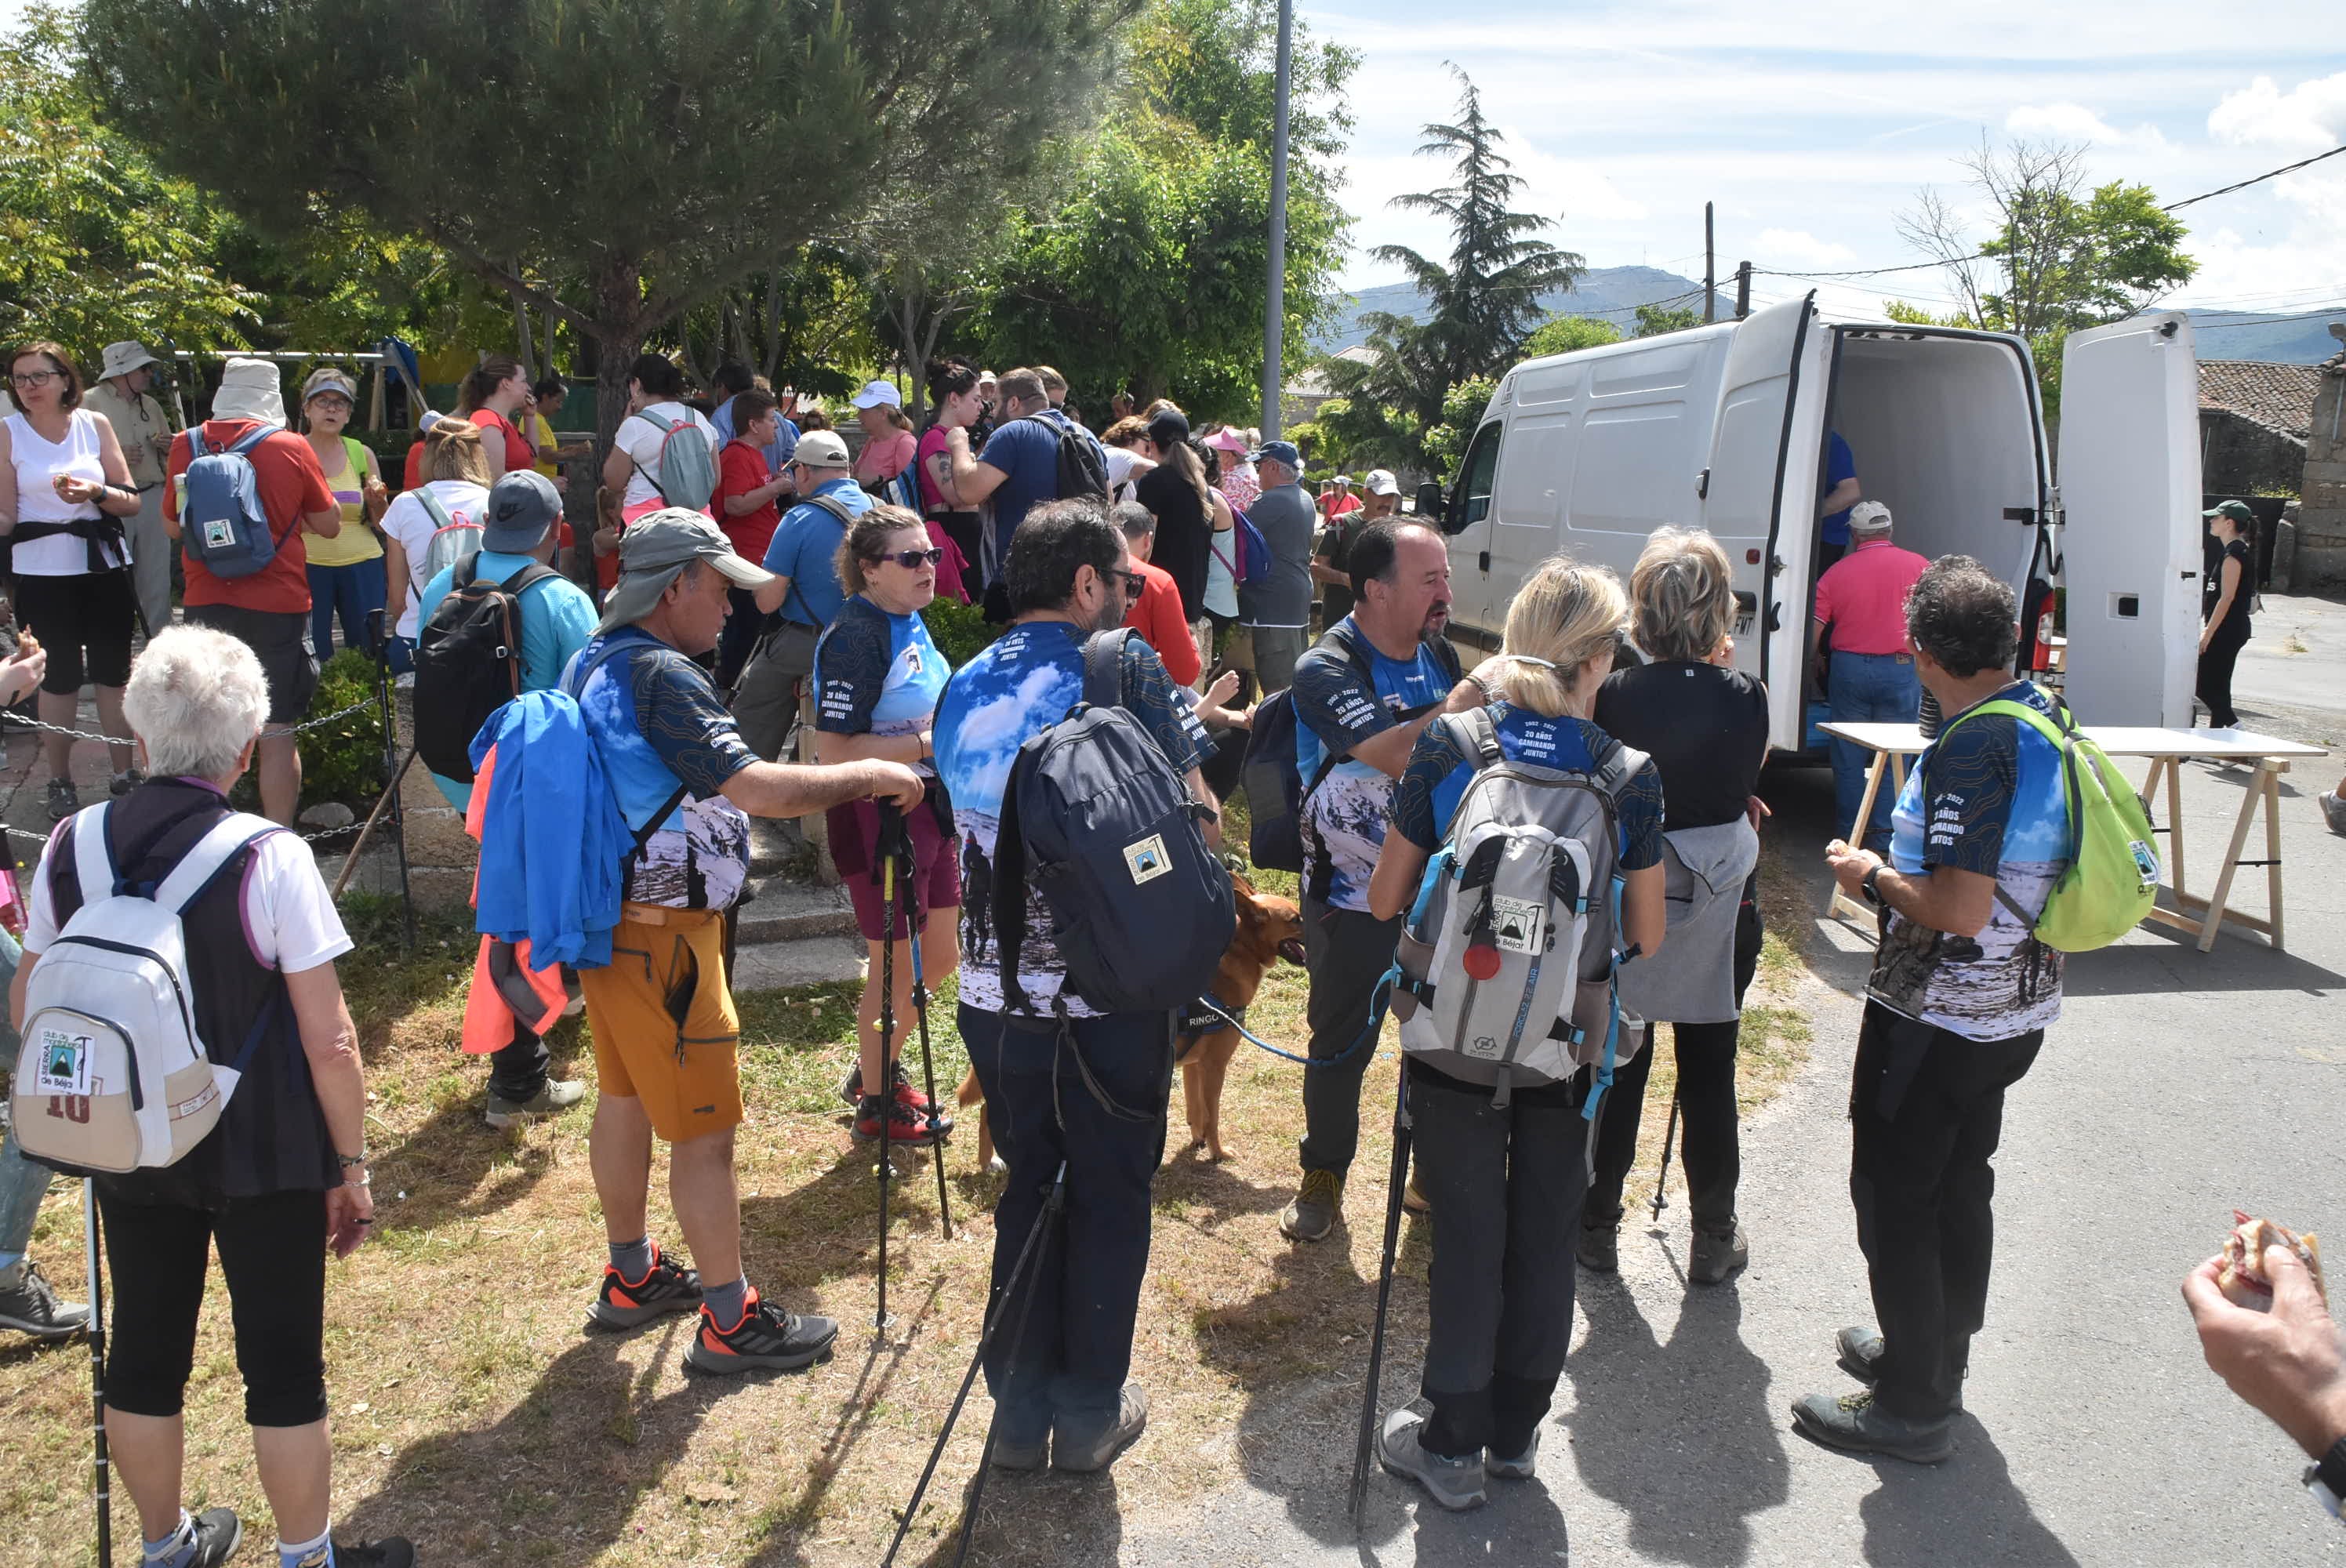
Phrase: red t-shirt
(519,452)
(1863,596)
(1343,504)
(411,474)
(1157,615)
(741,468)
(292,484)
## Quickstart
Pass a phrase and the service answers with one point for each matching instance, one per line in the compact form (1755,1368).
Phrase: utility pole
(1274,313)
(1742,289)
(1709,270)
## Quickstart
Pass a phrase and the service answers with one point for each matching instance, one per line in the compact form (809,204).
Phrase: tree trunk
(617,338)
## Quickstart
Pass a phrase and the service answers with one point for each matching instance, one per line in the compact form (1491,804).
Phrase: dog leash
(1379,1001)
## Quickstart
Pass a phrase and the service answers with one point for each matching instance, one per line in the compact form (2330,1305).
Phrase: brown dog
(1267,929)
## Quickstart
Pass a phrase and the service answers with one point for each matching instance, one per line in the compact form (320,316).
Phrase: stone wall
(2320,557)
(2241,457)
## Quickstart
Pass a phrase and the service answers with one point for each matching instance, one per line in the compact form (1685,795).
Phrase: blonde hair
(452,450)
(859,545)
(1566,616)
(1685,594)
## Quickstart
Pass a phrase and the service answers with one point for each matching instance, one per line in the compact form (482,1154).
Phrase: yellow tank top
(356,542)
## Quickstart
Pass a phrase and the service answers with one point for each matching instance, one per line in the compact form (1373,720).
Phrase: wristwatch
(2326,1480)
(1872,887)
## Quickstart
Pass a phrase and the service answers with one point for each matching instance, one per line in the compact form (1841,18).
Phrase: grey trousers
(150,559)
(1276,649)
(767,699)
(1347,950)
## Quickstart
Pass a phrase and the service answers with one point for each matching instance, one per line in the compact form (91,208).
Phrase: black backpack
(468,662)
(1082,466)
(1095,815)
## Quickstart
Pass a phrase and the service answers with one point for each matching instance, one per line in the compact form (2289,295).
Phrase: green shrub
(344,760)
(960,631)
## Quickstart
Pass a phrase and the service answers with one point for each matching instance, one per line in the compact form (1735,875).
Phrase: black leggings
(272,1253)
(2216,667)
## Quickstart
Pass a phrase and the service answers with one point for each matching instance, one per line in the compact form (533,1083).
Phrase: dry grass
(472,1413)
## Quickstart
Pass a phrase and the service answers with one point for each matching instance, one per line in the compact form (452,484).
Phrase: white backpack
(1507,959)
(112,1075)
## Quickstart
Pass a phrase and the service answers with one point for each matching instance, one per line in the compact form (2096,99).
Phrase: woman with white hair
(283,1177)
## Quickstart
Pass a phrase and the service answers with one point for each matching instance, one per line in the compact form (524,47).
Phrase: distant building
(1300,399)
(2254,416)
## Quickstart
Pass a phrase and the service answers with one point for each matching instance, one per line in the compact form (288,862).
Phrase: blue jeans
(349,591)
(1077,1345)
(22,1184)
(1867,689)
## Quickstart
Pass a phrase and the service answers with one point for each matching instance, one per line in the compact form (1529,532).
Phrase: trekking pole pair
(893,851)
(1054,1203)
(1398,1179)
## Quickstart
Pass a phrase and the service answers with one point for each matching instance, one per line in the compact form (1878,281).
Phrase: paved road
(2176,1085)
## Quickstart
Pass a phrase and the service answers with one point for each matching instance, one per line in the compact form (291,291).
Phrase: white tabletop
(2118,740)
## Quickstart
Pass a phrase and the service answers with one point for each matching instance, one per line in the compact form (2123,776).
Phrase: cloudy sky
(1812,124)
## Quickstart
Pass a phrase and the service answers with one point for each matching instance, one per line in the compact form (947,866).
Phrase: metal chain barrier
(323,720)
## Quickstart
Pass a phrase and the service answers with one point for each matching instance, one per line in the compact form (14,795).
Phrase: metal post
(1274,313)
(1742,289)
(1710,270)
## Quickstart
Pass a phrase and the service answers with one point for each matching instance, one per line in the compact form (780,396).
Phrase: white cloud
(2311,114)
(1799,247)
(2075,122)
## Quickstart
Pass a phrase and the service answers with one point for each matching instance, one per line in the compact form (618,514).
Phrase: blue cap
(1278,452)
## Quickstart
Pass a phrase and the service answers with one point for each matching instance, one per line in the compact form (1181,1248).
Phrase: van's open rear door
(1760,491)
(2128,479)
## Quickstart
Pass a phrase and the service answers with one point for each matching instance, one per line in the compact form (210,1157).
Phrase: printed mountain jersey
(1344,819)
(1988,797)
(1438,773)
(1021,686)
(658,724)
(876,674)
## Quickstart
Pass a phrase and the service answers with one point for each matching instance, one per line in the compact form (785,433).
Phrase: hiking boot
(914,1128)
(1599,1247)
(1859,1353)
(1523,1467)
(391,1552)
(1022,1454)
(852,1090)
(1716,1254)
(766,1336)
(63,800)
(127,781)
(1313,1213)
(1454,1483)
(1085,1447)
(2333,810)
(665,1286)
(555,1098)
(1855,1424)
(29,1304)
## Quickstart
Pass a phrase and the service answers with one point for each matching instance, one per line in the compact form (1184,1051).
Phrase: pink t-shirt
(933,444)
(885,456)
(1863,596)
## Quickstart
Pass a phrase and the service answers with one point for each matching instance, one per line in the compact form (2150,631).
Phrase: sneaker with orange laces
(665,1286)
(766,1338)
(917,1127)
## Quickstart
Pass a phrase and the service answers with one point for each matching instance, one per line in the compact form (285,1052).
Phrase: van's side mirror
(1429,506)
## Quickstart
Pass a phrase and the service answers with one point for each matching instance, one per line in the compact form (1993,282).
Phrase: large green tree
(676,148)
(1147,264)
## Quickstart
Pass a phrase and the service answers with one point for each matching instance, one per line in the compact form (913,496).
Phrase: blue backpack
(1251,559)
(1095,816)
(221,522)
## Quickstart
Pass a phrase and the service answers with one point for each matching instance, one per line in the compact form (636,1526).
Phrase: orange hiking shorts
(662,1017)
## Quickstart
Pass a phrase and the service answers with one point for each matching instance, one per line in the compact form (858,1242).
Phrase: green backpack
(2112,879)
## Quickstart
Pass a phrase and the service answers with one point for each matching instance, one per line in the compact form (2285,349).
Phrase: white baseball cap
(875,393)
(1380,482)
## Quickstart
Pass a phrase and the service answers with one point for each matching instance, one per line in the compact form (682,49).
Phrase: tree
(1483,305)
(1653,320)
(681,146)
(1462,411)
(1146,266)
(1564,334)
(95,243)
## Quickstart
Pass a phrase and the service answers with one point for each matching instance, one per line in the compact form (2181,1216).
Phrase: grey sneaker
(2333,810)
(219,1532)
(1313,1213)
(29,1304)
(1523,1467)
(63,800)
(1855,1424)
(1088,1448)
(1020,1455)
(1454,1483)
(1716,1254)
(1859,1353)
(549,1101)
(1599,1247)
(127,781)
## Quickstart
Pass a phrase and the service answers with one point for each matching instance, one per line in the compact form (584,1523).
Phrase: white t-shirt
(640,438)
(38,460)
(411,523)
(289,922)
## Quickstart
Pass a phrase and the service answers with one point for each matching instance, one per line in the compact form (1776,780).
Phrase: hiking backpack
(221,521)
(1082,467)
(455,537)
(468,662)
(1505,966)
(113,1076)
(2112,879)
(685,473)
(1112,835)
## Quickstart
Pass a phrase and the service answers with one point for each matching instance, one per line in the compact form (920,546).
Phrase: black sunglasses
(915,559)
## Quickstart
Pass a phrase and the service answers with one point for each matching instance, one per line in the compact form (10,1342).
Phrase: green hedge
(344,760)
(960,631)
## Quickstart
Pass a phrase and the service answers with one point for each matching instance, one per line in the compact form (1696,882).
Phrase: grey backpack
(1506,958)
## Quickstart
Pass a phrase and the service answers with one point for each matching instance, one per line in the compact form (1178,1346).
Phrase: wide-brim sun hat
(250,389)
(123,358)
(655,549)
(1227,440)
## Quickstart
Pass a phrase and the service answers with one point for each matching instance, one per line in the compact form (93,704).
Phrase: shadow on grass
(454,1166)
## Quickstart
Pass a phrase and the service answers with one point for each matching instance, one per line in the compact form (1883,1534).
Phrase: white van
(1724,426)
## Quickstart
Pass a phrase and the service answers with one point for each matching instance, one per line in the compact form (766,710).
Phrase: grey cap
(523,504)
(655,549)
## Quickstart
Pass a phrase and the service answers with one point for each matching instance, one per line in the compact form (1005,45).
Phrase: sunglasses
(1133,581)
(915,559)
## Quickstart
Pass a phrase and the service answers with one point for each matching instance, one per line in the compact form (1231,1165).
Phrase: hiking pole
(378,633)
(1669,1136)
(96,1332)
(1054,1203)
(928,1063)
(1401,1127)
(886,872)
(1051,1206)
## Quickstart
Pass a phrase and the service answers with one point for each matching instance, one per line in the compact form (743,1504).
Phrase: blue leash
(1377,1005)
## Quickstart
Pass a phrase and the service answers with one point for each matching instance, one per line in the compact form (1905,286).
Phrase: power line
(2227,190)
